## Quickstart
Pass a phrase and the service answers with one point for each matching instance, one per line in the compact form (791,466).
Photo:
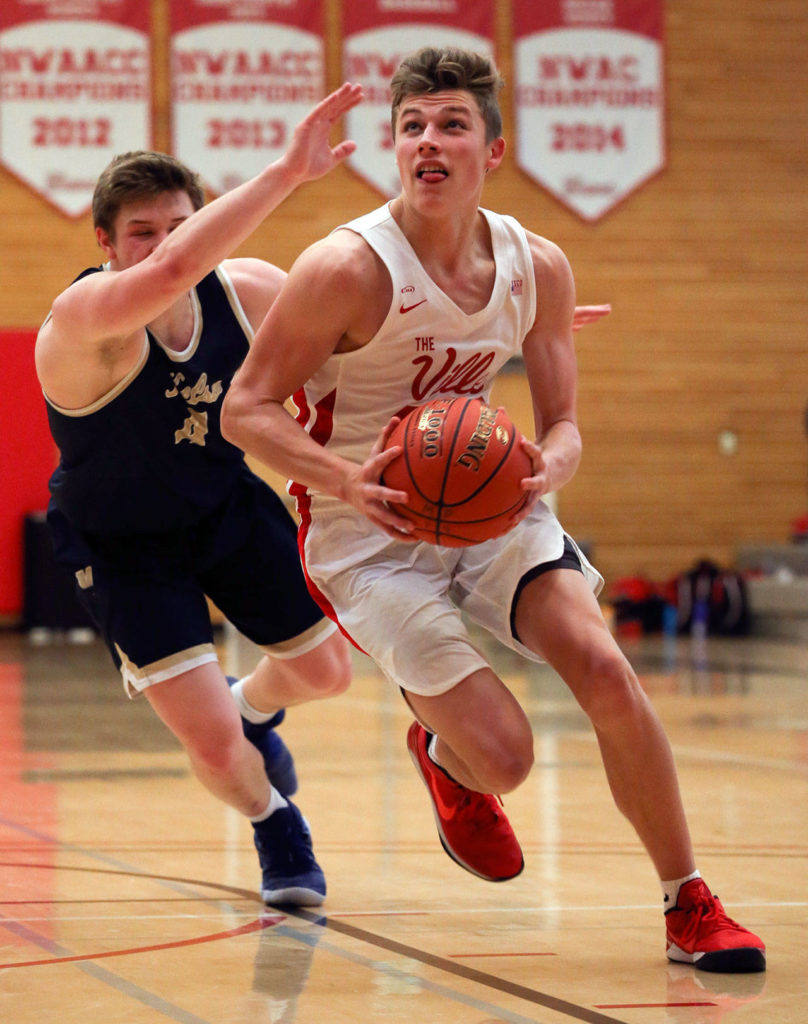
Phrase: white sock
(246,709)
(276,801)
(671,889)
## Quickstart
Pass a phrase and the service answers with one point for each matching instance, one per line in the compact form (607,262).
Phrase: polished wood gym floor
(129,895)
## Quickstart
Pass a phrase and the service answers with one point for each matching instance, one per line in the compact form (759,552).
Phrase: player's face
(441,150)
(141,226)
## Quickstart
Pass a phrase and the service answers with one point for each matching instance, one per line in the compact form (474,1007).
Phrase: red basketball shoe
(472,826)
(700,933)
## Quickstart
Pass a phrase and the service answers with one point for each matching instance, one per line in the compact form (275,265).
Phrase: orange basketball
(461,466)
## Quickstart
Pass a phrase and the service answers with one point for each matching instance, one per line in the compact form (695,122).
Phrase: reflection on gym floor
(128,894)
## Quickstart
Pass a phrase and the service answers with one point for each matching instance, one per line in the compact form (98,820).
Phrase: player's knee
(326,671)
(505,776)
(508,775)
(612,692)
(504,768)
(218,751)
(338,667)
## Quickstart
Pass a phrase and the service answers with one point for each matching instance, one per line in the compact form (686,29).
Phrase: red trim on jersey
(303,411)
(320,432)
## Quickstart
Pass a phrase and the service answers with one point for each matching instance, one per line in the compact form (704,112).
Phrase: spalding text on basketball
(477,444)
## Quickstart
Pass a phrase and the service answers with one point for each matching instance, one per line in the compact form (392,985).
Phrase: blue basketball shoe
(290,874)
(278,761)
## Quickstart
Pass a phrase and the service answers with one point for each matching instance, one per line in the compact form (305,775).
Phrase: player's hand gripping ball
(462,467)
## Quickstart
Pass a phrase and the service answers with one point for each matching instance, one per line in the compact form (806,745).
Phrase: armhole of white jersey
(530,274)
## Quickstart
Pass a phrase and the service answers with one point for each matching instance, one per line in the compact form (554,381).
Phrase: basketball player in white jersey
(426,297)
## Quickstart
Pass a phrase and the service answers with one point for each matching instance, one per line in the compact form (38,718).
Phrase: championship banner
(243,77)
(376,35)
(589,98)
(74,92)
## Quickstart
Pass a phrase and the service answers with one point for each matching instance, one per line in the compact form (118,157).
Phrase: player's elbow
(567,437)
(575,445)
(172,270)
(234,415)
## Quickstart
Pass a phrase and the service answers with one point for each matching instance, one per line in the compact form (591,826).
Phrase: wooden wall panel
(706,267)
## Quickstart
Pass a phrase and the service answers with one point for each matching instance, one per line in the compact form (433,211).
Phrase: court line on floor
(643,663)
(245,929)
(107,977)
(492,982)
(489,981)
(476,911)
(86,962)
(741,760)
(390,970)
(727,757)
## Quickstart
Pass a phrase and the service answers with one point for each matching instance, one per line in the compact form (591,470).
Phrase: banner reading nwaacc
(589,98)
(243,76)
(74,92)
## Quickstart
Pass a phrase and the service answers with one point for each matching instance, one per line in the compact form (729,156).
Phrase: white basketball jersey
(427,347)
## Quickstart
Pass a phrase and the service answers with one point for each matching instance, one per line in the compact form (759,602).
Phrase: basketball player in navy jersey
(429,296)
(153,510)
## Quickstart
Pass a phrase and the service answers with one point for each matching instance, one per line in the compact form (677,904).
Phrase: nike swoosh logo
(405,309)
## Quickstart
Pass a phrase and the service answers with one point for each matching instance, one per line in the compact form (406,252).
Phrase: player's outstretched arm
(105,306)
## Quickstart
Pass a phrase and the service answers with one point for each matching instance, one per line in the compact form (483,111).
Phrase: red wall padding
(27,458)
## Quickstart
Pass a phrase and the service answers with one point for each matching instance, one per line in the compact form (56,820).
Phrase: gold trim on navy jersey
(235,302)
(113,393)
(196,334)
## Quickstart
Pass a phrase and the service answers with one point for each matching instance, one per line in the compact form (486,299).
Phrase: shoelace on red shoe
(717,911)
(708,909)
(476,808)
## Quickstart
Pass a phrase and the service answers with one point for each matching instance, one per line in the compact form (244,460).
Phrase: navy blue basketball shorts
(147,593)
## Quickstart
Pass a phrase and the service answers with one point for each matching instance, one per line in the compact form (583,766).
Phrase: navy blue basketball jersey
(149,456)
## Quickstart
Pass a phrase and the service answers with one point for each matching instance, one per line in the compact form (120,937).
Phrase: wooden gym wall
(706,268)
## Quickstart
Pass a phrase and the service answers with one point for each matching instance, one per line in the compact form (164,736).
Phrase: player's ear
(105,242)
(496,151)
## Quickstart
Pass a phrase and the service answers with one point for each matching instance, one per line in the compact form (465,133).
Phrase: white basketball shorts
(402,603)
